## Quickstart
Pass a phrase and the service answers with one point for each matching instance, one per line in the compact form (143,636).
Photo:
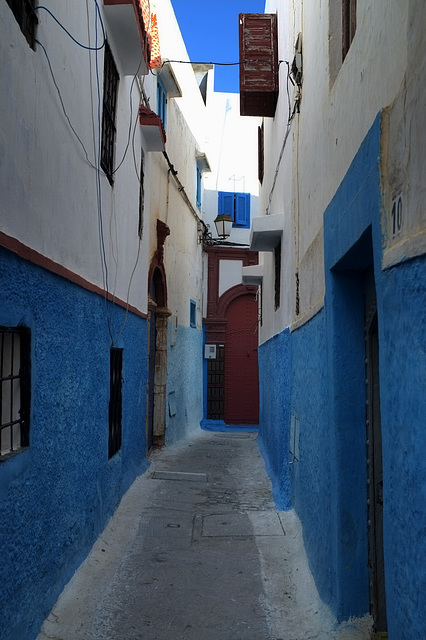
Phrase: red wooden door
(241,364)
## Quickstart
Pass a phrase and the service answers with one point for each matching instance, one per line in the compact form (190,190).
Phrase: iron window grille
(25,16)
(115,401)
(216,385)
(15,396)
(111,79)
(192,314)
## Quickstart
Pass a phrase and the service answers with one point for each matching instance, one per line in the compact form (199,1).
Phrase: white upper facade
(308,153)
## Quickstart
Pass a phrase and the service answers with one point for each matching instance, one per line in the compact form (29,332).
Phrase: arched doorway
(157,344)
(232,375)
(241,363)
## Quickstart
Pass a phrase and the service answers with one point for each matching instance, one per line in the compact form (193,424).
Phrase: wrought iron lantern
(223,224)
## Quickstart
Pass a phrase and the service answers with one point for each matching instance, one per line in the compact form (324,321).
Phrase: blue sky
(210,31)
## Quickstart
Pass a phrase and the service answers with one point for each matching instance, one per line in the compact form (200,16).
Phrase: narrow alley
(197,551)
(212,320)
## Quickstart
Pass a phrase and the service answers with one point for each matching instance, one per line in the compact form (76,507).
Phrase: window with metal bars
(23,10)
(115,401)
(15,396)
(216,385)
(192,313)
(111,79)
(348,25)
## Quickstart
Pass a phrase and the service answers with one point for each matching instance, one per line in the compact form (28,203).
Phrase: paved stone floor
(197,551)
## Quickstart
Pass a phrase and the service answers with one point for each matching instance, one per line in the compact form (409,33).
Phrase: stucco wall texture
(316,373)
(311,474)
(274,413)
(403,407)
(185,381)
(57,496)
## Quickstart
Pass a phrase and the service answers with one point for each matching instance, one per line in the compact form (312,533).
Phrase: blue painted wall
(403,406)
(274,413)
(311,474)
(326,393)
(57,496)
(185,380)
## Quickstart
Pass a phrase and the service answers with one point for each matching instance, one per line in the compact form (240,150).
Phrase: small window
(23,10)
(162,102)
(141,196)
(192,314)
(261,153)
(277,280)
(236,205)
(199,186)
(115,401)
(15,380)
(111,79)
(348,25)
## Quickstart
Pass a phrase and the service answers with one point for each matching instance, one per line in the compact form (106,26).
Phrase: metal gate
(216,385)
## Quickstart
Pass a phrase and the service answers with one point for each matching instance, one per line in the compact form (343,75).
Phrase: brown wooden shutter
(258,35)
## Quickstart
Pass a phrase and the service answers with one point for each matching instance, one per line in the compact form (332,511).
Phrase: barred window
(111,79)
(25,16)
(15,380)
(115,401)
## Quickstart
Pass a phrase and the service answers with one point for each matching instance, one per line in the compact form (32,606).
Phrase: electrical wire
(291,114)
(97,167)
(63,105)
(139,177)
(98,185)
(59,23)
(223,64)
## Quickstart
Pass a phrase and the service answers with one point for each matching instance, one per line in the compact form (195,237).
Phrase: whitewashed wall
(186,137)
(233,158)
(338,106)
(49,186)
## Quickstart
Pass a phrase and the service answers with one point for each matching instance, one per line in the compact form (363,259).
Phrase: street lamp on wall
(223,223)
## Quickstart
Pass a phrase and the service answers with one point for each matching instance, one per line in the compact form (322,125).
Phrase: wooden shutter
(258,38)
(242,209)
(226,203)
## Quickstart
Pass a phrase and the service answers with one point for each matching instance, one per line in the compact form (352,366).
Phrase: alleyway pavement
(198,551)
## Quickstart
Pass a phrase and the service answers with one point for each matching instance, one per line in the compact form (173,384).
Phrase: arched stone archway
(232,325)
(157,344)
